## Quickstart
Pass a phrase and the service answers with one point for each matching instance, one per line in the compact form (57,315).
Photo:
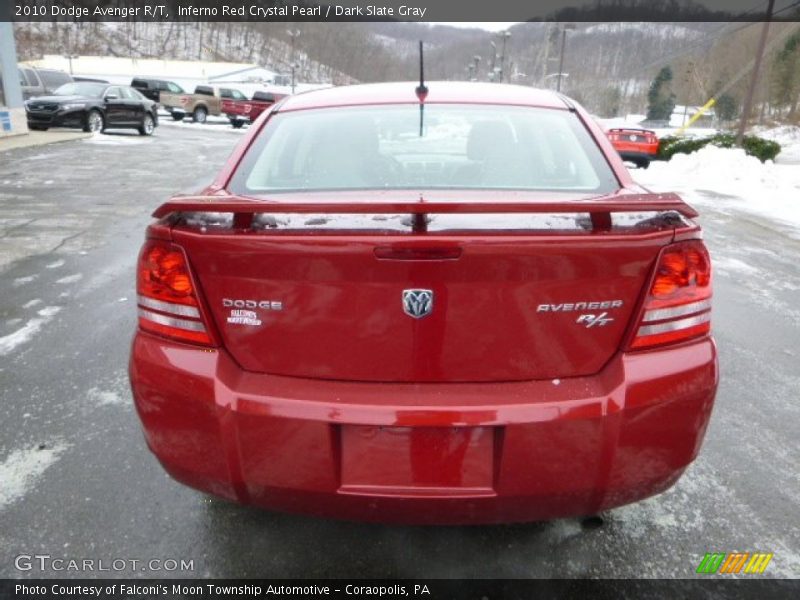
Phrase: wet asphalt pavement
(76,480)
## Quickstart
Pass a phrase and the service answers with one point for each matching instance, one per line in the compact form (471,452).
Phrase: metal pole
(293,33)
(561,58)
(748,101)
(505,35)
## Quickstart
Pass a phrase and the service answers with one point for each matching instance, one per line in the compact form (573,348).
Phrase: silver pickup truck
(41,82)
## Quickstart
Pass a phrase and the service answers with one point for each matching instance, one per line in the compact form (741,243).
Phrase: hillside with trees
(609,67)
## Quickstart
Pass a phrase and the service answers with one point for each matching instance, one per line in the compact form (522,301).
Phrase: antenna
(422,89)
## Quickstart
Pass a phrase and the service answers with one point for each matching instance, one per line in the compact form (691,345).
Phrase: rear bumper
(635,155)
(425,453)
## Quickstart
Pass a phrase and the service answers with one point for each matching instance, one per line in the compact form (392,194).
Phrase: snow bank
(728,178)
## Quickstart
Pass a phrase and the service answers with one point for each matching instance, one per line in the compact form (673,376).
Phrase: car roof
(438,92)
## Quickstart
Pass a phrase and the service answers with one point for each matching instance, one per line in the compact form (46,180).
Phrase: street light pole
(293,33)
(69,57)
(494,61)
(561,58)
(505,35)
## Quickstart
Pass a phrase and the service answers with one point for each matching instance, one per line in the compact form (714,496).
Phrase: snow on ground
(22,335)
(728,178)
(212,123)
(20,471)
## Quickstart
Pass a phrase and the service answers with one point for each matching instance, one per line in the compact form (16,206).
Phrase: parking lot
(78,481)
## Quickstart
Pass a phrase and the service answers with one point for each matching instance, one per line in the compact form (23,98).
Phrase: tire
(95,123)
(237,123)
(178,116)
(199,115)
(643,164)
(37,128)
(148,125)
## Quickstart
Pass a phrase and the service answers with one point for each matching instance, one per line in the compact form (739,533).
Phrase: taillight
(678,304)
(167,299)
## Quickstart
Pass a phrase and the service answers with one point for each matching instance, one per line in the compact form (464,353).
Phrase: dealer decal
(243,317)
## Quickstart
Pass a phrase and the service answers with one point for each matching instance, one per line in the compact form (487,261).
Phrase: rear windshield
(449,146)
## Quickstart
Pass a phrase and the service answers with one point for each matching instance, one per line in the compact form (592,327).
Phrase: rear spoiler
(599,209)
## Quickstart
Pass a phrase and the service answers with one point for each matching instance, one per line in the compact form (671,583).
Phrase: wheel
(199,115)
(37,128)
(178,116)
(643,163)
(148,125)
(94,122)
(237,123)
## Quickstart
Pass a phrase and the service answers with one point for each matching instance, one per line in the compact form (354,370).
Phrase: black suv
(152,88)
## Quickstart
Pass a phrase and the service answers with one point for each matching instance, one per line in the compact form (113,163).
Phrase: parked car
(206,100)
(469,313)
(636,145)
(240,110)
(40,82)
(93,107)
(152,88)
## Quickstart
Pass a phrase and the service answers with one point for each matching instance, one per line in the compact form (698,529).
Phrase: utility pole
(748,100)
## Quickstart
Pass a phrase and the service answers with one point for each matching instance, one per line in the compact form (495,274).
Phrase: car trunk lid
(423,291)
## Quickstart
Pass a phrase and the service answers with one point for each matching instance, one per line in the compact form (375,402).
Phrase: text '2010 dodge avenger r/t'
(441,305)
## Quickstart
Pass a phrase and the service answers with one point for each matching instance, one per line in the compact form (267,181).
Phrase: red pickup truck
(241,111)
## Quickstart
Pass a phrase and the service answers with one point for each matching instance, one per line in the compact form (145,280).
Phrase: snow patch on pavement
(22,470)
(70,278)
(32,303)
(212,124)
(105,397)
(24,334)
(23,280)
(734,264)
(117,140)
(55,265)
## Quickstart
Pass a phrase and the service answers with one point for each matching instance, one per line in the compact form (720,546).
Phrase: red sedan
(452,307)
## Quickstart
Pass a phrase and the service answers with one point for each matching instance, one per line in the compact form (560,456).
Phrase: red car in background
(638,146)
(442,307)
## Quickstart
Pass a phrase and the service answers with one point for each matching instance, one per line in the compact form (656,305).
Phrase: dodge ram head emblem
(417,303)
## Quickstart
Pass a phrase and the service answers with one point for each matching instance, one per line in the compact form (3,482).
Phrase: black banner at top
(398,10)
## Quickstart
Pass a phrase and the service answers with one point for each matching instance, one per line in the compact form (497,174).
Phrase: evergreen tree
(660,99)
(727,107)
